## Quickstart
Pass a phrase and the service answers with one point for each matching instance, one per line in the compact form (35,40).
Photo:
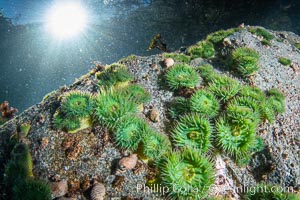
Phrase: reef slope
(92,154)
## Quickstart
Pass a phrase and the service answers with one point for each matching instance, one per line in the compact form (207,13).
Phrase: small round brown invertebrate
(226,42)
(98,191)
(154,115)
(168,62)
(59,189)
(129,162)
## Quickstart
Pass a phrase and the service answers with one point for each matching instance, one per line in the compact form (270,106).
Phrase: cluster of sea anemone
(113,74)
(115,107)
(220,114)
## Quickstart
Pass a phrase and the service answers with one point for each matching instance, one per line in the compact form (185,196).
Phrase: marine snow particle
(129,162)
(98,191)
(168,62)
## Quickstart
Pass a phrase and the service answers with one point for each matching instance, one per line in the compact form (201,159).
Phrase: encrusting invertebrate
(187,169)
(245,60)
(193,130)
(204,102)
(224,87)
(181,76)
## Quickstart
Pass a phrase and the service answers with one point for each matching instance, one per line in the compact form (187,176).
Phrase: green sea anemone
(188,173)
(234,139)
(204,102)
(253,92)
(245,60)
(129,132)
(219,36)
(266,111)
(113,74)
(20,165)
(243,108)
(155,145)
(178,57)
(203,49)
(277,104)
(31,189)
(276,99)
(259,144)
(136,93)
(178,106)
(76,104)
(262,32)
(111,106)
(284,61)
(297,45)
(224,87)
(207,72)
(193,130)
(182,76)
(63,123)
(266,42)
(275,93)
(266,192)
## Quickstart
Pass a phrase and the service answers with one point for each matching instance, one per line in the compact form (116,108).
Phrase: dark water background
(32,64)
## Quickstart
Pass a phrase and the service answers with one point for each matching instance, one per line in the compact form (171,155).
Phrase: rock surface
(92,155)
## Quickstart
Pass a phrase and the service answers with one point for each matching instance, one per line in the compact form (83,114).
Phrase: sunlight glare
(66,20)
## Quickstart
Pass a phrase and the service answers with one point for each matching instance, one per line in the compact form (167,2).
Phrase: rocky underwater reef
(217,120)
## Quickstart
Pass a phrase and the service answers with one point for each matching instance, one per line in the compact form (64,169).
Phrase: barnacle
(207,72)
(129,132)
(204,49)
(111,106)
(98,191)
(245,60)
(224,87)
(136,93)
(182,76)
(204,102)
(178,107)
(218,36)
(178,57)
(113,74)
(234,139)
(188,173)
(155,145)
(31,189)
(128,162)
(76,104)
(284,61)
(193,130)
